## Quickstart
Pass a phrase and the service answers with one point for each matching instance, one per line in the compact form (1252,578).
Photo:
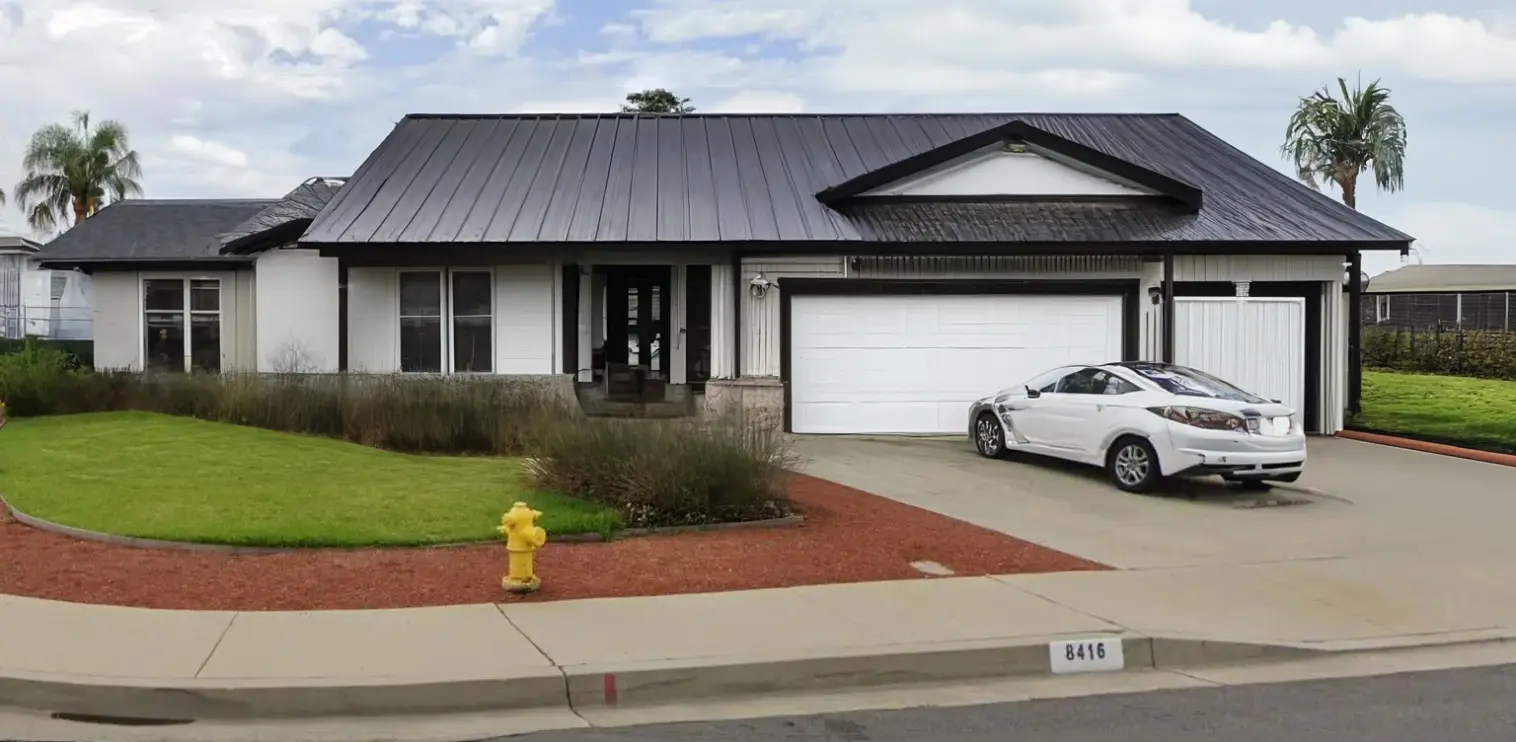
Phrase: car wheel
(989,436)
(1133,465)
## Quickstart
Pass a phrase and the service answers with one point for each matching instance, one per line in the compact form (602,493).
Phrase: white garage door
(913,364)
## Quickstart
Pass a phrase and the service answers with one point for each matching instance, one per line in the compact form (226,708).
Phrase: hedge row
(1488,355)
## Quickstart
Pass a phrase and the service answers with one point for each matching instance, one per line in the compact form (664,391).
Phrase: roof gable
(1015,132)
(282,221)
(1010,171)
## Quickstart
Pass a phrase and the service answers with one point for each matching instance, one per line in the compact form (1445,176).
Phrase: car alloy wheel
(1133,465)
(989,437)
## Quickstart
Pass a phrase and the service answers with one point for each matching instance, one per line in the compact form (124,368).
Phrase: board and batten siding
(527,319)
(297,298)
(118,320)
(760,317)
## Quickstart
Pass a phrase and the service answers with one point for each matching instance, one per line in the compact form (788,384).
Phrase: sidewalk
(182,665)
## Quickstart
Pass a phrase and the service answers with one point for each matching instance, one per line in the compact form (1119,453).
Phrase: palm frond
(69,167)
(1334,140)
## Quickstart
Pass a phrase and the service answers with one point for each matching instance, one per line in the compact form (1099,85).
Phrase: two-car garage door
(914,363)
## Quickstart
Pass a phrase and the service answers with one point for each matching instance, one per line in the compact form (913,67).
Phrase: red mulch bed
(848,536)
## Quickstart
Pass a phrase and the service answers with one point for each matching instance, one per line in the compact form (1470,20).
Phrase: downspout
(1355,334)
(1168,307)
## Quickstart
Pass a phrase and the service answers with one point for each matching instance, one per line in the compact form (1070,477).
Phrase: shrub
(669,472)
(1488,355)
(37,379)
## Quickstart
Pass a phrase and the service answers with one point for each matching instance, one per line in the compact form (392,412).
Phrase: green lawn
(154,476)
(1476,411)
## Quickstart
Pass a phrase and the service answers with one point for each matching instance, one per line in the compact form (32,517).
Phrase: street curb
(587,687)
(1443,449)
(134,542)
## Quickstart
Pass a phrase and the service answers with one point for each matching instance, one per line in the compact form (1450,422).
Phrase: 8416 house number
(1086,655)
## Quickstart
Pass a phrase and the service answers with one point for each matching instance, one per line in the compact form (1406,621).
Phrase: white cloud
(758,101)
(213,153)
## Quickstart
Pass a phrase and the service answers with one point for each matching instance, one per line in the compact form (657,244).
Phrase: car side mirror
(1032,393)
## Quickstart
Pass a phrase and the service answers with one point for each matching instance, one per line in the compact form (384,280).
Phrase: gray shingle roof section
(754,178)
(294,211)
(141,230)
(1412,279)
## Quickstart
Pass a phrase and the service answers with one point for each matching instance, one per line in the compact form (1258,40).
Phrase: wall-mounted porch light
(758,287)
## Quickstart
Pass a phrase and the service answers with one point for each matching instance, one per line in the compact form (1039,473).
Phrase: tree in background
(657,100)
(72,170)
(1335,141)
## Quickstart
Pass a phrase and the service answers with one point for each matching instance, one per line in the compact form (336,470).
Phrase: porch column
(678,351)
(588,318)
(723,325)
(1168,308)
(1355,333)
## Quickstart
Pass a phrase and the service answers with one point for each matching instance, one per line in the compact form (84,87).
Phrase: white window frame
(445,277)
(1381,308)
(451,317)
(188,281)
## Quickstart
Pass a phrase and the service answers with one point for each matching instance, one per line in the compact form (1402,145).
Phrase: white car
(1142,422)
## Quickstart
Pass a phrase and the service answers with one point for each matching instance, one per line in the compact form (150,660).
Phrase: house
(1468,297)
(53,305)
(853,273)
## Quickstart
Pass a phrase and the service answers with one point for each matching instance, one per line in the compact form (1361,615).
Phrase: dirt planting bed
(848,536)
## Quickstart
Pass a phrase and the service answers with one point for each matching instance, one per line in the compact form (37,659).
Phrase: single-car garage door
(914,363)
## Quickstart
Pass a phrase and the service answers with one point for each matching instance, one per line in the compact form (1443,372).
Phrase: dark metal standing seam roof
(755,178)
(144,230)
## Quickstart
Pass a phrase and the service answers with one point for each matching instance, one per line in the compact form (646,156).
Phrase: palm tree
(1335,141)
(74,169)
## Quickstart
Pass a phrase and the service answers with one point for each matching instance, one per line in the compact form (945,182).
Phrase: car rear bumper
(1199,453)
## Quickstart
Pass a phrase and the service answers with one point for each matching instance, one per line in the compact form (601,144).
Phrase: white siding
(117,317)
(723,325)
(526,338)
(1257,268)
(373,320)
(297,299)
(760,317)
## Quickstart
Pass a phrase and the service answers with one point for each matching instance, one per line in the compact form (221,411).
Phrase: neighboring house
(854,273)
(54,305)
(1469,297)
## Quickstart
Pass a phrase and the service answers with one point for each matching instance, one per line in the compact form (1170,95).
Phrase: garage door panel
(912,364)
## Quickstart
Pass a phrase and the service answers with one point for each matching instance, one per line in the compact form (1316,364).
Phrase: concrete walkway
(594,653)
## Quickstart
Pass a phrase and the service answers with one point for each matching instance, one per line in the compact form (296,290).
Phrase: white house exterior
(853,274)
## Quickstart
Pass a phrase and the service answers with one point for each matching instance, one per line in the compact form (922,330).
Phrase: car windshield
(1191,383)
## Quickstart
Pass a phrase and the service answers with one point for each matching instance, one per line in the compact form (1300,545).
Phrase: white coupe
(1142,422)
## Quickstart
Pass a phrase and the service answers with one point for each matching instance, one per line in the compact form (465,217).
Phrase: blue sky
(249,101)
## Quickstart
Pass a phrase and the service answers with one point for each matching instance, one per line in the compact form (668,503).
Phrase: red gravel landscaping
(848,536)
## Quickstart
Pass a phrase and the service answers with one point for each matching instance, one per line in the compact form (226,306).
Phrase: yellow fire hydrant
(523,537)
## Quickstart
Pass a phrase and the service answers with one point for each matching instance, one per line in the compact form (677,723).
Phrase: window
(1084,381)
(421,322)
(473,312)
(1048,381)
(447,322)
(181,324)
(1118,385)
(1188,382)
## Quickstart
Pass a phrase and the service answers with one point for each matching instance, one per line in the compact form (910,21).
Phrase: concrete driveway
(1356,500)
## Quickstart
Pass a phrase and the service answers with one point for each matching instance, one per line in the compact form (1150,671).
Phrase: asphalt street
(1469,705)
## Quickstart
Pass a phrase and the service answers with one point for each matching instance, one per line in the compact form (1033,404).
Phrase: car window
(1084,381)
(1046,382)
(1191,383)
(1118,385)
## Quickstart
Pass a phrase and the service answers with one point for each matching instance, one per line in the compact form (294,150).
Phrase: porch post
(723,337)
(1355,334)
(678,338)
(1168,307)
(587,318)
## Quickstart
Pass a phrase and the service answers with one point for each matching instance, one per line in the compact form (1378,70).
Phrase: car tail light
(1201,418)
